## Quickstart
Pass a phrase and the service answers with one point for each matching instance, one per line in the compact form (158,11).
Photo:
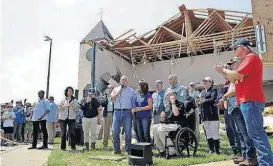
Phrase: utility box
(263,22)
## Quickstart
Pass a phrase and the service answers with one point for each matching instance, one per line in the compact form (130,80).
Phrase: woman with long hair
(67,117)
(143,112)
(210,115)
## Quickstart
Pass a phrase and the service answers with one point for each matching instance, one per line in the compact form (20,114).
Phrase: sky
(24,53)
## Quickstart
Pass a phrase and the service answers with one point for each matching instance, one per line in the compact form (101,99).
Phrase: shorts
(8,130)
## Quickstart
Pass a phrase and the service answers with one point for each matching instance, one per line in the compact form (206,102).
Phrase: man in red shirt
(250,97)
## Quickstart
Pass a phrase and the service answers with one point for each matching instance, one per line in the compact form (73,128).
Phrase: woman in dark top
(143,110)
(210,115)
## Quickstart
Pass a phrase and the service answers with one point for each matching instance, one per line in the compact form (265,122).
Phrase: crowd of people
(148,117)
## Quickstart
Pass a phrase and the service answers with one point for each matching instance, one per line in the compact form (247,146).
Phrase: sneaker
(43,147)
(249,162)
(238,159)
(32,147)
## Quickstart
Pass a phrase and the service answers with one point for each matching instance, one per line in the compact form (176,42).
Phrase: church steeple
(99,32)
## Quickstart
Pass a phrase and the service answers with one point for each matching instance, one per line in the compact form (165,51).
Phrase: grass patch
(61,158)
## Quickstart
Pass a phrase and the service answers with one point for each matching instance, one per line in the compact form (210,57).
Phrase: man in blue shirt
(123,97)
(158,101)
(181,91)
(51,118)
(19,113)
(40,110)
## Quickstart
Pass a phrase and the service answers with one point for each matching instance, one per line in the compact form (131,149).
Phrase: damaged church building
(187,45)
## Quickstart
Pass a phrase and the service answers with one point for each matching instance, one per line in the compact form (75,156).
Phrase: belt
(123,109)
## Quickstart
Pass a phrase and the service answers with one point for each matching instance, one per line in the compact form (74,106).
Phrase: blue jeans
(143,129)
(123,118)
(252,112)
(232,134)
(17,130)
(248,149)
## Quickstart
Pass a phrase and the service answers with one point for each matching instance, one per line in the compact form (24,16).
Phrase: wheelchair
(183,139)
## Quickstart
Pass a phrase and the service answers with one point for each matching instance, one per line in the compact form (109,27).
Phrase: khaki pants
(197,120)
(160,131)
(107,125)
(51,130)
(87,125)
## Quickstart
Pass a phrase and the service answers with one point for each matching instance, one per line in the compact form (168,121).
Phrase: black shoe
(117,152)
(211,145)
(173,156)
(63,149)
(93,145)
(161,154)
(43,147)
(217,146)
(32,148)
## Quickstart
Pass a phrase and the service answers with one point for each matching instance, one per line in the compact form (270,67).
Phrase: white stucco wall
(106,61)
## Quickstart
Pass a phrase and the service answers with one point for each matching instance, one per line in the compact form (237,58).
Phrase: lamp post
(49,64)
(93,69)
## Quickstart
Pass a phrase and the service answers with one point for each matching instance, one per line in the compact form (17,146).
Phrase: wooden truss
(190,31)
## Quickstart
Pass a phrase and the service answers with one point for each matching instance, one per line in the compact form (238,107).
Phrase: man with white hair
(123,97)
(181,91)
(158,101)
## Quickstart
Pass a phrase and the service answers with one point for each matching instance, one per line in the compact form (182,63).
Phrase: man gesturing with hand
(90,106)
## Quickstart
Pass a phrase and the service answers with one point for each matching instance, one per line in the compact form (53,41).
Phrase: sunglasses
(236,48)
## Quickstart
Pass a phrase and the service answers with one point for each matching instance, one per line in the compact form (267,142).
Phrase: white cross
(101,12)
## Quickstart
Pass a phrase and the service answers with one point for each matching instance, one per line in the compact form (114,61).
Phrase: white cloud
(23,76)
(64,2)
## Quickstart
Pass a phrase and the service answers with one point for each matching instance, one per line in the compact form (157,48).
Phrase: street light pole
(93,67)
(49,65)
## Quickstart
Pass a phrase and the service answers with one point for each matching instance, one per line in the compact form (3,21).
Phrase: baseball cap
(91,91)
(192,83)
(241,42)
(207,79)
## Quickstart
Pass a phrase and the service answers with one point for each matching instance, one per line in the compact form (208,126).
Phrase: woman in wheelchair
(171,125)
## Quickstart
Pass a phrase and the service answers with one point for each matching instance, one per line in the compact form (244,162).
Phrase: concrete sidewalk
(21,156)
(220,163)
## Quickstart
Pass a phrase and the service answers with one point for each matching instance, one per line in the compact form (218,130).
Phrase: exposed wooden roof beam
(201,26)
(171,31)
(155,35)
(228,27)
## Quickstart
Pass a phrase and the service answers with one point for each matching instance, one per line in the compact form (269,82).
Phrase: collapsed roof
(190,32)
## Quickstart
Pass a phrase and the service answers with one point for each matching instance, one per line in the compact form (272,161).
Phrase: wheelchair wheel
(186,141)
